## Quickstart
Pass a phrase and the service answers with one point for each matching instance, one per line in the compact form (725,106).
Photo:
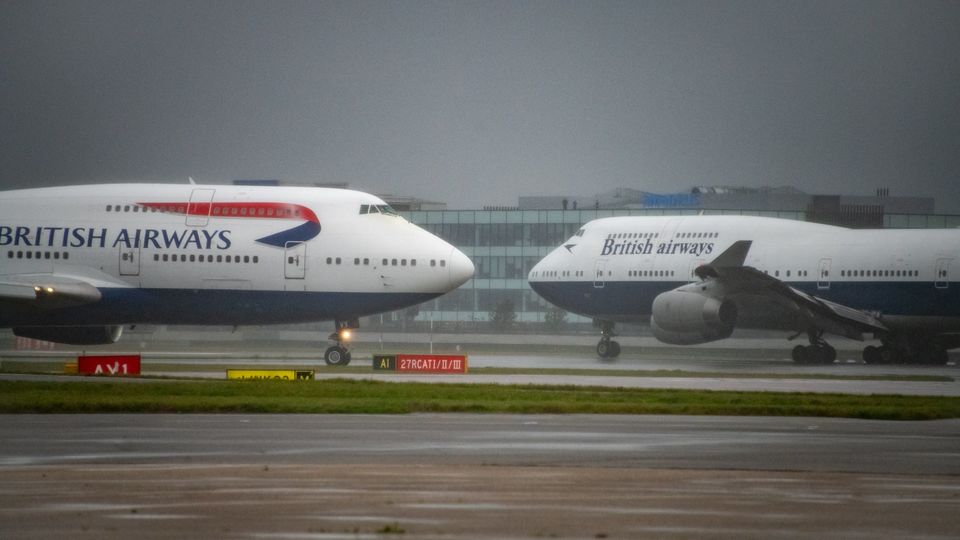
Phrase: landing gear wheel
(814,354)
(828,354)
(607,348)
(871,355)
(336,356)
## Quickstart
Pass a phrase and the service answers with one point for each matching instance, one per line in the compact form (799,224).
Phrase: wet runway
(476,476)
(756,366)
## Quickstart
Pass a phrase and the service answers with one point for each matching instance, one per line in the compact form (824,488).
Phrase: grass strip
(375,397)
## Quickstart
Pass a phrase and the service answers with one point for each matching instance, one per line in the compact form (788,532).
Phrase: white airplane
(696,278)
(79,263)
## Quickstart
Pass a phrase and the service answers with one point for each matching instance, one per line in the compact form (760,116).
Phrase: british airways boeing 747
(696,278)
(79,263)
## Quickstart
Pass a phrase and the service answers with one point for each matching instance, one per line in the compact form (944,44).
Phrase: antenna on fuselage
(192,183)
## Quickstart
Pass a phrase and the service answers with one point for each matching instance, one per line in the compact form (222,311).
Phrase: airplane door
(823,274)
(692,275)
(198,209)
(129,261)
(599,270)
(942,274)
(295,260)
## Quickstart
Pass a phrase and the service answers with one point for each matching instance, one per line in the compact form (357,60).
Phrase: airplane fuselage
(614,268)
(217,255)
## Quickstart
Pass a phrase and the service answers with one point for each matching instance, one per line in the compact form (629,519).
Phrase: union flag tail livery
(697,278)
(78,263)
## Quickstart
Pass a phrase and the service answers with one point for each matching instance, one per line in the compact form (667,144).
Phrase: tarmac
(494,476)
(476,476)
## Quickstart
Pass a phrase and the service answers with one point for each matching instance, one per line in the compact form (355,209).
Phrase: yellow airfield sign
(270,374)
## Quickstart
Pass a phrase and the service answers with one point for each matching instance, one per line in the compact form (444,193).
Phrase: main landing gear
(818,352)
(906,351)
(338,354)
(607,348)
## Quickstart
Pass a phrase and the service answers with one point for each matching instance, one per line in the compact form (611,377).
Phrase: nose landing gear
(339,354)
(607,348)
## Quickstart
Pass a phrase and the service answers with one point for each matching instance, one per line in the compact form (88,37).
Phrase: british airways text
(638,247)
(80,237)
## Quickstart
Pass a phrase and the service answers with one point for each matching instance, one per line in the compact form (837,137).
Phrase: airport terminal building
(505,243)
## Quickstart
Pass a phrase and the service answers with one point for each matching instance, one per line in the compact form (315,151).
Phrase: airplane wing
(737,279)
(46,290)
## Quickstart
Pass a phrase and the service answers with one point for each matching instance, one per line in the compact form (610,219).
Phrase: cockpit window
(377,209)
(579,233)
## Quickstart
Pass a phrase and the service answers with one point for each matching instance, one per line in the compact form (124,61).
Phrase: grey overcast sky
(476,103)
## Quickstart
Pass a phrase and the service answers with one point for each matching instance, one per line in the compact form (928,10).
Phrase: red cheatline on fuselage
(255,210)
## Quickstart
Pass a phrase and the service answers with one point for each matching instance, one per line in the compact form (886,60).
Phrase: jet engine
(688,318)
(72,335)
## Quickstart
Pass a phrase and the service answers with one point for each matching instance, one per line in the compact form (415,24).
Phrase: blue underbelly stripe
(216,307)
(629,299)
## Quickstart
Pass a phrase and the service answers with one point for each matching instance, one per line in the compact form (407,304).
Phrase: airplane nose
(461,268)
